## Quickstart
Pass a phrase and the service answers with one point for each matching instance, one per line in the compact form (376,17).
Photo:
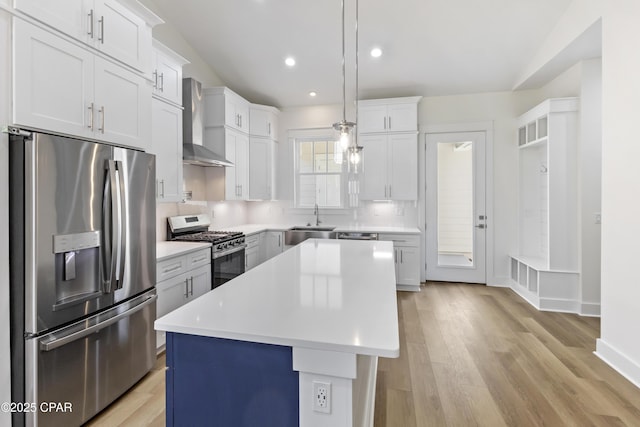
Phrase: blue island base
(221,382)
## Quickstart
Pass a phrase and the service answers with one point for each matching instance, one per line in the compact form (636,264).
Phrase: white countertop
(337,295)
(377,229)
(249,229)
(169,249)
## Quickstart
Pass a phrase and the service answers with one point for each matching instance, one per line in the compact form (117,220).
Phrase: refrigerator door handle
(122,226)
(53,344)
(110,210)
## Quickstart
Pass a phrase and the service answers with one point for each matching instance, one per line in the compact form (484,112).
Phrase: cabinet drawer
(401,239)
(171,267)
(199,258)
(252,241)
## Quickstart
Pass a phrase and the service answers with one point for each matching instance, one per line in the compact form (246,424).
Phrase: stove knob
(219,247)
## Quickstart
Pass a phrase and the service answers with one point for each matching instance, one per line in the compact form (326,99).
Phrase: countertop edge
(168,249)
(286,342)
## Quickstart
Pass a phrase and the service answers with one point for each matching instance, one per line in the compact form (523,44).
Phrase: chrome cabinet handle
(162,183)
(389,122)
(155,79)
(385,191)
(191,280)
(169,270)
(401,256)
(101,21)
(269,128)
(90,32)
(162,82)
(101,110)
(385,122)
(199,259)
(90,108)
(389,190)
(186,288)
(279,240)
(481,226)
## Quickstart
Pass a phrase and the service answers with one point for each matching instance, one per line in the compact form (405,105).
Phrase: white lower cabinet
(406,250)
(181,279)
(252,254)
(274,244)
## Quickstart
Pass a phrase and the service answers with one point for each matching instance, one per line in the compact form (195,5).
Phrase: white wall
(590,183)
(5,118)
(168,35)
(619,343)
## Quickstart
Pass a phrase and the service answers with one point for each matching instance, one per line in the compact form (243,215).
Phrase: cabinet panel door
(53,81)
(169,78)
(402,117)
(166,144)
(123,35)
(373,181)
(242,166)
(372,118)
(408,266)
(252,257)
(72,17)
(274,242)
(231,189)
(259,168)
(123,102)
(200,281)
(259,124)
(403,167)
(172,294)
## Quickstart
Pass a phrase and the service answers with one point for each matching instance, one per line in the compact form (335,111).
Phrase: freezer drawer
(91,363)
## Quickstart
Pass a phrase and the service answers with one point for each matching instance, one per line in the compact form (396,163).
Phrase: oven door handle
(229,251)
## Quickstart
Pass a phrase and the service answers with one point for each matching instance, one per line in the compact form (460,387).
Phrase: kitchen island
(253,351)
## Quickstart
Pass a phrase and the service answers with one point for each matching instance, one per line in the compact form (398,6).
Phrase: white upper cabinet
(388,132)
(390,167)
(122,105)
(167,73)
(166,144)
(72,17)
(53,82)
(388,115)
(64,88)
(121,30)
(260,164)
(226,108)
(264,121)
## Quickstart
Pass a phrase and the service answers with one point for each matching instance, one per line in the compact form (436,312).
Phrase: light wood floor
(469,355)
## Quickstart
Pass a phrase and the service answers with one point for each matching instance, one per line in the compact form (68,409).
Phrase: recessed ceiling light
(376,52)
(312,93)
(290,61)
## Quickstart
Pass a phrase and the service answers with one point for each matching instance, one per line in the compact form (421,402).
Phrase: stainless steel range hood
(193,150)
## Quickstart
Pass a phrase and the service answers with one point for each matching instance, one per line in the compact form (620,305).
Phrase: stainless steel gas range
(227,251)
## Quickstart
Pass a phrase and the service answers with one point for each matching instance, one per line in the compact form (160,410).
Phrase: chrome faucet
(316,212)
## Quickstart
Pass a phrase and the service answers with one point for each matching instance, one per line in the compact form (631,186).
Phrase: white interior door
(455,213)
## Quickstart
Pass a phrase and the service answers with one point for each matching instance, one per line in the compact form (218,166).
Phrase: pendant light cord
(344,84)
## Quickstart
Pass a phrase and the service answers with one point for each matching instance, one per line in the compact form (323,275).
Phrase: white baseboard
(499,282)
(560,305)
(408,288)
(618,361)
(590,309)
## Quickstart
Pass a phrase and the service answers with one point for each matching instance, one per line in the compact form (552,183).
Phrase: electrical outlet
(598,218)
(322,397)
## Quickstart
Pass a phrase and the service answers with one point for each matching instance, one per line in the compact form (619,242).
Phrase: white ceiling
(430,47)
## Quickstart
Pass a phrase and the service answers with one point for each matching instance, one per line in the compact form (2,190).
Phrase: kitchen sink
(311,228)
(296,235)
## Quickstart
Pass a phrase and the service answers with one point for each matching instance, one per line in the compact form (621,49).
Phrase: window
(318,178)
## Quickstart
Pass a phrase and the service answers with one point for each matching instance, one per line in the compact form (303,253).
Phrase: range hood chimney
(193,150)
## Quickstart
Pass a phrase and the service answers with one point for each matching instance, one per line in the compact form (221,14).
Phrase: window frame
(319,135)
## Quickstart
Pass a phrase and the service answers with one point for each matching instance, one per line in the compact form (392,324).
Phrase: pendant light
(347,139)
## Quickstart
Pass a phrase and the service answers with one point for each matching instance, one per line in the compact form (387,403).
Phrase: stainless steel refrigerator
(82,269)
